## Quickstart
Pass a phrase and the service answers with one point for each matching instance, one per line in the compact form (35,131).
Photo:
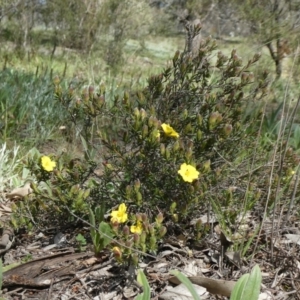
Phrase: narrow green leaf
(248,286)
(252,288)
(239,287)
(99,213)
(187,283)
(92,217)
(84,144)
(142,279)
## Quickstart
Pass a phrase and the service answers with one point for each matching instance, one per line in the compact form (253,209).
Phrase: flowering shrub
(168,151)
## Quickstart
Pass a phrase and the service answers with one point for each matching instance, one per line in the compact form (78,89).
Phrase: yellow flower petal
(188,172)
(47,164)
(119,215)
(138,228)
(169,131)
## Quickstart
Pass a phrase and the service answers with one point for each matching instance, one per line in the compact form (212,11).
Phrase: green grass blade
(142,279)
(187,283)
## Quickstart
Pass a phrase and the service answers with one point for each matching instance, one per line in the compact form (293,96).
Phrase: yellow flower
(138,228)
(47,164)
(188,172)
(119,215)
(169,131)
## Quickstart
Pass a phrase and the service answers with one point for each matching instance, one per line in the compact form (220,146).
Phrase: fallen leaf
(295,238)
(90,261)
(20,192)
(214,286)
(181,292)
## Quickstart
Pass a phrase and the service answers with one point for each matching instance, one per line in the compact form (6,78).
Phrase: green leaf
(84,143)
(187,283)
(142,280)
(81,239)
(92,217)
(106,229)
(248,286)
(99,213)
(238,289)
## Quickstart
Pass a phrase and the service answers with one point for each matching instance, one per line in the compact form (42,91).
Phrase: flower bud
(137,185)
(198,224)
(151,121)
(188,128)
(167,154)
(126,231)
(115,226)
(56,80)
(145,131)
(91,90)
(214,119)
(173,207)
(128,245)
(196,184)
(144,218)
(143,237)
(244,78)
(102,88)
(136,112)
(100,101)
(199,120)
(185,114)
(218,171)
(155,135)
(153,243)
(191,189)
(128,191)
(199,135)
(156,123)
(219,119)
(136,239)
(206,166)
(251,77)
(175,218)
(139,198)
(159,218)
(139,217)
(135,259)
(189,153)
(227,129)
(162,149)
(176,146)
(143,114)
(117,253)
(256,56)
(85,96)
(162,231)
(151,229)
